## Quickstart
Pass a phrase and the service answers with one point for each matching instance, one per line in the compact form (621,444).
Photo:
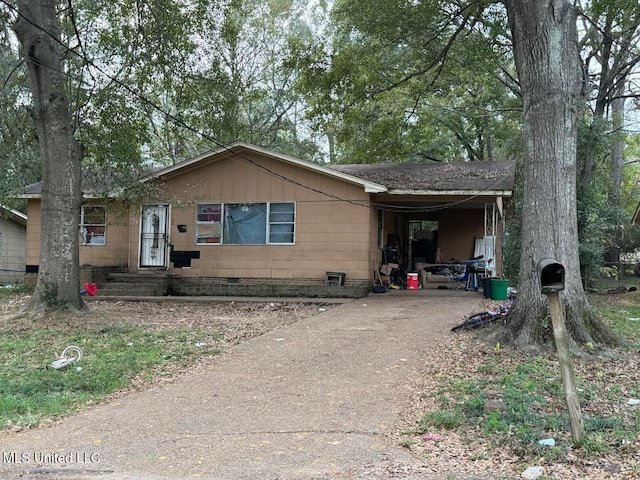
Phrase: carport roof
(495,177)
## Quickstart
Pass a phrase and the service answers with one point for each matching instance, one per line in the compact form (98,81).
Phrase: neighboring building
(13,241)
(244,220)
(635,220)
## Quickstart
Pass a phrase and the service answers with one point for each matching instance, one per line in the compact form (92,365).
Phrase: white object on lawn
(69,355)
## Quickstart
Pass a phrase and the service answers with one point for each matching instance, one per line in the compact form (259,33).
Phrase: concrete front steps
(147,284)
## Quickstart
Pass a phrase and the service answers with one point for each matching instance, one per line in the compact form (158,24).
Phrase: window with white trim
(259,223)
(93,224)
(282,221)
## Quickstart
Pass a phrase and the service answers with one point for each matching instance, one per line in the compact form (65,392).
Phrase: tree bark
(58,284)
(546,53)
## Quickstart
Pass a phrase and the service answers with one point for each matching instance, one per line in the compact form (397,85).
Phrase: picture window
(258,223)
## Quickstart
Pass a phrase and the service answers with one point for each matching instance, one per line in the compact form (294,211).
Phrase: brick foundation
(97,274)
(30,280)
(88,274)
(267,287)
(233,287)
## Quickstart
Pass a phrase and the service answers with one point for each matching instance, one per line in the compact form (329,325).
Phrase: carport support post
(566,367)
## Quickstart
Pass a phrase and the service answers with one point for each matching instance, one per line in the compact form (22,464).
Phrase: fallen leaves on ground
(457,454)
(459,357)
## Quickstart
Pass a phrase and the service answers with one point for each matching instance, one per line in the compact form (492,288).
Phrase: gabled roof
(240,149)
(438,178)
(11,214)
(428,178)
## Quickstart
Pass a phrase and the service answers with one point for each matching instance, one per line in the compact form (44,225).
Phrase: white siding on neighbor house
(13,238)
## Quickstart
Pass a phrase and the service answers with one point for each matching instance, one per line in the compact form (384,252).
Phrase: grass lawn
(497,405)
(125,345)
(120,357)
(482,408)
(117,356)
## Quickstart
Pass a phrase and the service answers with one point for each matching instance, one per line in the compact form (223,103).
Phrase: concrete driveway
(312,400)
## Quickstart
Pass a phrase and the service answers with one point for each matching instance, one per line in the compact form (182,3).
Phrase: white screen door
(153,235)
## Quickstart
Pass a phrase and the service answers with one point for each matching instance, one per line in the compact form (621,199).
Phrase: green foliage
(610,50)
(11,291)
(631,175)
(439,419)
(145,49)
(602,226)
(158,81)
(19,154)
(244,89)
(389,84)
(522,396)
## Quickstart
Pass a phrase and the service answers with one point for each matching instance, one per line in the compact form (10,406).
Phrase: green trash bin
(499,289)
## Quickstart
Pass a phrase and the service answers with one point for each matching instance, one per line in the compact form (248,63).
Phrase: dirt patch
(235,321)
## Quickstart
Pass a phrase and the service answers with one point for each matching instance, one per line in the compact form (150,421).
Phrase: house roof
(16,216)
(240,149)
(94,183)
(425,178)
(437,178)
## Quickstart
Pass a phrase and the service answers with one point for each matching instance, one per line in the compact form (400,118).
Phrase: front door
(153,236)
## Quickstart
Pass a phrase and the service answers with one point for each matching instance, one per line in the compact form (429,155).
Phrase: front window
(209,223)
(245,223)
(93,224)
(282,217)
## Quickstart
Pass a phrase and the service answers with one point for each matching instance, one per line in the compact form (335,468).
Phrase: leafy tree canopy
(424,81)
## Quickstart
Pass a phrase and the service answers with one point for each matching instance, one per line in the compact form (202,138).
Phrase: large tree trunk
(58,277)
(546,53)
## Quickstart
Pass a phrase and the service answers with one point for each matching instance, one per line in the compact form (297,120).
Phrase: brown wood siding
(33,232)
(391,220)
(375,253)
(336,227)
(113,253)
(330,234)
(457,231)
(115,250)
(134,236)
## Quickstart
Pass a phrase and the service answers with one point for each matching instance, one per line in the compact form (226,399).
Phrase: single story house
(13,241)
(244,220)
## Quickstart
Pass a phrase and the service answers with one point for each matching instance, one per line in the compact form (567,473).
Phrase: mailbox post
(551,275)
